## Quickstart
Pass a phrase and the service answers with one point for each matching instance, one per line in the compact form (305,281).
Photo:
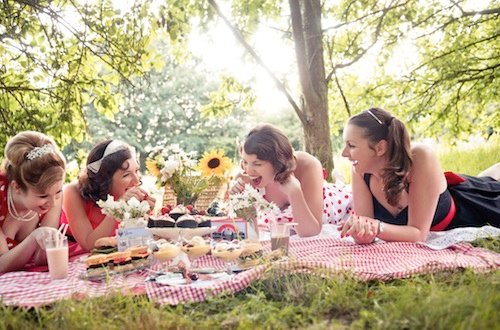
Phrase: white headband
(375,117)
(40,151)
(114,146)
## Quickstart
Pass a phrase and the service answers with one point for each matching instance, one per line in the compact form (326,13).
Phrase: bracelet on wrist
(380,227)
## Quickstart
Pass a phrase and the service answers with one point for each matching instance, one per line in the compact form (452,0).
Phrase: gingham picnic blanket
(383,261)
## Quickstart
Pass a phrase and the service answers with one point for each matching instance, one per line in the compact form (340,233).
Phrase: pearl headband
(111,148)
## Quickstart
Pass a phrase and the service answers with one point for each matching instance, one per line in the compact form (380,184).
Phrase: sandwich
(121,261)
(139,256)
(105,245)
(97,265)
(251,255)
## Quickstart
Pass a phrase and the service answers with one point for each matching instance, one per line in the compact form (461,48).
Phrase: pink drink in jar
(57,258)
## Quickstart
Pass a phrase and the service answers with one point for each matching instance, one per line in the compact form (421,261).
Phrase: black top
(381,213)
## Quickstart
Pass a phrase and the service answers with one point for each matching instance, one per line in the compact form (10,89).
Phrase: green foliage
(162,108)
(57,56)
(231,94)
(451,86)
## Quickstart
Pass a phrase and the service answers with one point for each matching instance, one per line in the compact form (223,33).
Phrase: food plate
(176,279)
(171,279)
(173,233)
(110,272)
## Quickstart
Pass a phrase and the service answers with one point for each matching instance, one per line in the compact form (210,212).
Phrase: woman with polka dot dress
(293,180)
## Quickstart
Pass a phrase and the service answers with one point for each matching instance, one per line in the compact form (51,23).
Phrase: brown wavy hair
(391,129)
(96,186)
(39,173)
(269,143)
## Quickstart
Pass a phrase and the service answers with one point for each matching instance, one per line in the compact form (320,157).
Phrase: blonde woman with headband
(31,183)
(111,169)
(400,191)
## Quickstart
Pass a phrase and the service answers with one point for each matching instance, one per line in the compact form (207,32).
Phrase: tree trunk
(307,34)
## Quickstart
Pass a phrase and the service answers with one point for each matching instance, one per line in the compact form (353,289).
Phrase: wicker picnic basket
(214,191)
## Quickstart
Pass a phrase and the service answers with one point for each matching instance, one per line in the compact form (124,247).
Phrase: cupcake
(186,221)
(203,222)
(178,211)
(161,221)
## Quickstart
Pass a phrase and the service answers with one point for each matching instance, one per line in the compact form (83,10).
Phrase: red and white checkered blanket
(382,261)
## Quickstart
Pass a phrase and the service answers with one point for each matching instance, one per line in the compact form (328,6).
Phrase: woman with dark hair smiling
(111,169)
(400,192)
(293,180)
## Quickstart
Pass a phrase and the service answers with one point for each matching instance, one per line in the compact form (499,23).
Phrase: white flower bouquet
(130,213)
(249,204)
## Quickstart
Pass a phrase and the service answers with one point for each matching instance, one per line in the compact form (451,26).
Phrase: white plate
(173,233)
(172,279)
(176,279)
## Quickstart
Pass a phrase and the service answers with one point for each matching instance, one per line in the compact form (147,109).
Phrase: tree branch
(257,58)
(344,99)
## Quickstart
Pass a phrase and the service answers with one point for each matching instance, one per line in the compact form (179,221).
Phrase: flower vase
(187,200)
(250,215)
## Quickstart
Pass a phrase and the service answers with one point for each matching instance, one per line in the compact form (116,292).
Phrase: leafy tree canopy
(56,56)
(448,84)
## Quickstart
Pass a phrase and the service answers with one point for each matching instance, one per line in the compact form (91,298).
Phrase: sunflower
(214,162)
(152,167)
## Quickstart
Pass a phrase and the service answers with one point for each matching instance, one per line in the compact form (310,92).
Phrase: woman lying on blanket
(31,182)
(291,179)
(111,169)
(400,192)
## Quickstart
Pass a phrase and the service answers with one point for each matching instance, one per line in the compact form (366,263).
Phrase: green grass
(444,300)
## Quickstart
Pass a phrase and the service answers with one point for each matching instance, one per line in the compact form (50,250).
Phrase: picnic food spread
(105,261)
(196,247)
(181,217)
(105,245)
(251,254)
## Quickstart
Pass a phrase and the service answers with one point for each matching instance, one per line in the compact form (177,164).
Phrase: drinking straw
(62,229)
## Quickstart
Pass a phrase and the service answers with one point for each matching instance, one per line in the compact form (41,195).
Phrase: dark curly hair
(96,186)
(270,144)
(381,125)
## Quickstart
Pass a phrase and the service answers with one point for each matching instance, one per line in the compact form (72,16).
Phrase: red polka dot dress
(337,200)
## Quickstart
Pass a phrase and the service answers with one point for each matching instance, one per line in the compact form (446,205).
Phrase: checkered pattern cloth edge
(382,261)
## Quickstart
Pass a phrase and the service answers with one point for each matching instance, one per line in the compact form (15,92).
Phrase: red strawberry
(165,210)
(189,207)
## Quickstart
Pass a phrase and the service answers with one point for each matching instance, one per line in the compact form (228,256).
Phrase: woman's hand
(239,182)
(140,194)
(362,229)
(42,234)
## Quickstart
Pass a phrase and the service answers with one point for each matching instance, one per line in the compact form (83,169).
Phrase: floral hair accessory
(40,151)
(111,148)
